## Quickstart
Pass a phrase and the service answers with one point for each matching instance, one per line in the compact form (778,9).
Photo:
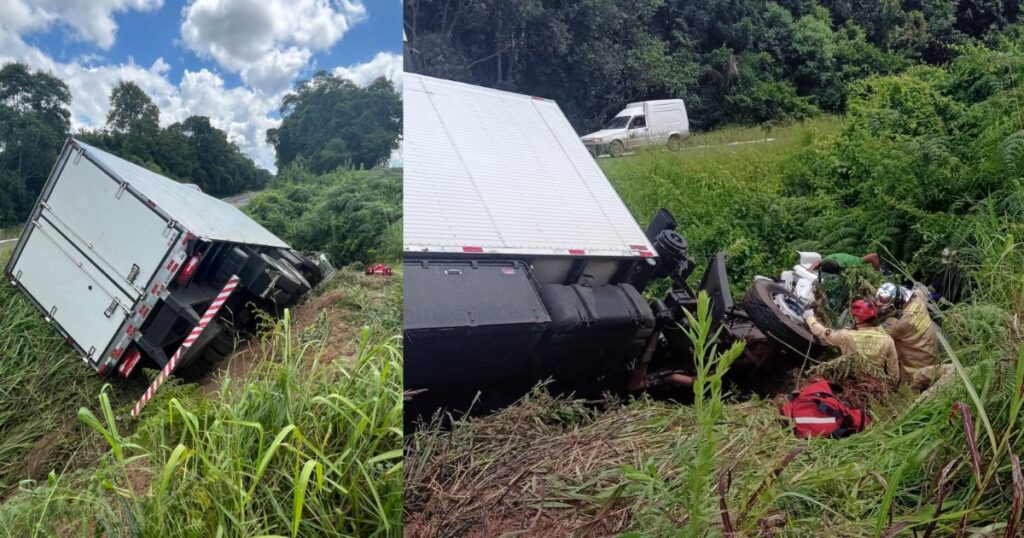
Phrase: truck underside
(481,332)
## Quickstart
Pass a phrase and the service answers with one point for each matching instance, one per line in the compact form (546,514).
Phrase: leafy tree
(330,122)
(34,121)
(132,111)
(354,216)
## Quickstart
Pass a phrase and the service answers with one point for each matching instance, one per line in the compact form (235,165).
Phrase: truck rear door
(89,252)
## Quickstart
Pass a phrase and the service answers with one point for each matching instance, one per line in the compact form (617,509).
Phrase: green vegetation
(925,159)
(733,61)
(330,122)
(355,216)
(725,197)
(304,441)
(35,122)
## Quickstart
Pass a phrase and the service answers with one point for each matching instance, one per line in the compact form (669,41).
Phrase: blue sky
(231,60)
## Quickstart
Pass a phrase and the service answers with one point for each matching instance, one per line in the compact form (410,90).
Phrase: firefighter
(915,334)
(865,339)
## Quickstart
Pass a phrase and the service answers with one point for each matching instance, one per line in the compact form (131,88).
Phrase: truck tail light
(188,270)
(131,359)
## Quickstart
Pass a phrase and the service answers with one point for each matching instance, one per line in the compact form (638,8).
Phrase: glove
(808,314)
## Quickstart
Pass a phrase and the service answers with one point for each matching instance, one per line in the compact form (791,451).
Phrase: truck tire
(616,149)
(675,143)
(220,348)
(759,303)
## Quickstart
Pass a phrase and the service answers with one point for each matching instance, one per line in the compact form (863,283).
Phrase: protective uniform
(871,342)
(916,339)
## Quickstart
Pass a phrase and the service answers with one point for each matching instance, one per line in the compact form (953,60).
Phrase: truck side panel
(104,219)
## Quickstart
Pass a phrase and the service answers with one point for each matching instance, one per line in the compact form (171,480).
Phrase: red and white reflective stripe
(129,362)
(815,420)
(211,312)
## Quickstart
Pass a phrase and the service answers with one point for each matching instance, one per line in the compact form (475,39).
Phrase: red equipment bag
(379,269)
(816,412)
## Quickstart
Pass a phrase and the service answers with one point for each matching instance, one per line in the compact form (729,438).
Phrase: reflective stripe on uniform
(815,420)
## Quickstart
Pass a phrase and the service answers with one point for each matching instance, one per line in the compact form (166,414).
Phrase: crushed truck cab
(122,260)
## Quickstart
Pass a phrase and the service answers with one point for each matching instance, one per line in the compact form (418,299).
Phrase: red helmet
(863,311)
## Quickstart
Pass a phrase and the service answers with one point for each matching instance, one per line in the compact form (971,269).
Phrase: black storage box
(594,332)
(469,321)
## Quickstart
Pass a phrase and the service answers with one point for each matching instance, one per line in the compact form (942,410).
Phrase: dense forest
(35,121)
(733,61)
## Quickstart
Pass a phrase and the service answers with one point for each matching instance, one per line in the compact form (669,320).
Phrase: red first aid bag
(816,412)
(379,269)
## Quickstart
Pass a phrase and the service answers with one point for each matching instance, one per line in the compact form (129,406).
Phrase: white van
(646,123)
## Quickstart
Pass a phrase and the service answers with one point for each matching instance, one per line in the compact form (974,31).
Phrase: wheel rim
(616,149)
(788,305)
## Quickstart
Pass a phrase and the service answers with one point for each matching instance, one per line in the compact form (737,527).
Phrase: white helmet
(892,294)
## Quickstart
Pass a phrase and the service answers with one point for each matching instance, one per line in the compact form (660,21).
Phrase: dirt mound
(325,315)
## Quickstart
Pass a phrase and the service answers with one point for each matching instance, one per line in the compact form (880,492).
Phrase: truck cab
(641,124)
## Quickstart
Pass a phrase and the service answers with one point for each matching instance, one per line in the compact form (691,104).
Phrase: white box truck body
(111,249)
(647,123)
(495,173)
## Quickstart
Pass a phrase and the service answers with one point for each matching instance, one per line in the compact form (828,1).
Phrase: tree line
(733,61)
(327,123)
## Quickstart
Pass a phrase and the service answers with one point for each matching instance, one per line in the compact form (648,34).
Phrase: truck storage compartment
(469,320)
(123,261)
(594,332)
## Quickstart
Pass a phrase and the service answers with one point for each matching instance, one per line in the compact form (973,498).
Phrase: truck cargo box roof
(199,213)
(489,171)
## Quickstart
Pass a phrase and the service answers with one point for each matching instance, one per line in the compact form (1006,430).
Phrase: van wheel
(616,149)
(675,143)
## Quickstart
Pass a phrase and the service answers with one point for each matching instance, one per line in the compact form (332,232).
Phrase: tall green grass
(726,198)
(306,444)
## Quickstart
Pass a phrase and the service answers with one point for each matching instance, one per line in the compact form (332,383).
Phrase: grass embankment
(306,442)
(725,197)
(923,160)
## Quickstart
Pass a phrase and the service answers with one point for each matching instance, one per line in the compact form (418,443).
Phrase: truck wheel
(616,149)
(675,143)
(768,305)
(221,347)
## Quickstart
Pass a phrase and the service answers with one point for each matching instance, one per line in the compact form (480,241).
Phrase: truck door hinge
(112,308)
(78,155)
(170,228)
(133,274)
(53,312)
(120,190)
(91,352)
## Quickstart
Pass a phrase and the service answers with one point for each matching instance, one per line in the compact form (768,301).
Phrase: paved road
(702,146)
(239,200)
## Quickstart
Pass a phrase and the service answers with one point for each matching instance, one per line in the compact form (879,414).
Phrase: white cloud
(266,41)
(241,112)
(396,156)
(91,21)
(384,64)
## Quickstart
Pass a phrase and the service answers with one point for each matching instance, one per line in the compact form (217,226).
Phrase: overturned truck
(123,262)
(522,263)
